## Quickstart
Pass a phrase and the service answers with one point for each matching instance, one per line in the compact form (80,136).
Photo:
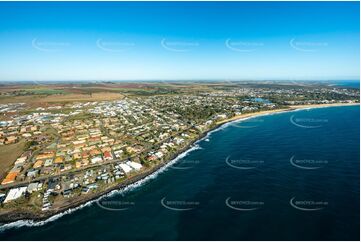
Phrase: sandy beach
(290,108)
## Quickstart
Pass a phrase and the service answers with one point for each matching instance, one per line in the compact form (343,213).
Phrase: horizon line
(190,80)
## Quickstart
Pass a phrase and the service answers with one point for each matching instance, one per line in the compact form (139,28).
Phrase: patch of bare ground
(41,100)
(98,96)
(8,155)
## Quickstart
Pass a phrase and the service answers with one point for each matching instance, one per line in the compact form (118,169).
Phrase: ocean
(287,176)
(346,84)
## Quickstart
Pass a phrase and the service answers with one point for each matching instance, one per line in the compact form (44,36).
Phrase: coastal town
(59,154)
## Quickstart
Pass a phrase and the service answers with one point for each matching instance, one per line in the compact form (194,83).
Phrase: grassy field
(98,96)
(45,91)
(8,155)
(41,94)
(40,100)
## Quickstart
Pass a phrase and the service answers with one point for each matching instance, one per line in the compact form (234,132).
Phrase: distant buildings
(94,145)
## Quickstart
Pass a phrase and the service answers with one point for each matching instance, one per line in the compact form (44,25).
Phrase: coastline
(14,218)
(290,108)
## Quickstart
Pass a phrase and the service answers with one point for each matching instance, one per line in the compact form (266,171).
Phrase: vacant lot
(99,96)
(8,155)
(40,100)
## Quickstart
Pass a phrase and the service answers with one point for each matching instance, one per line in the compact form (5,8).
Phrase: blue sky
(179,41)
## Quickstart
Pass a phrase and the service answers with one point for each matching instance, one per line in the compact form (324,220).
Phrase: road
(74,171)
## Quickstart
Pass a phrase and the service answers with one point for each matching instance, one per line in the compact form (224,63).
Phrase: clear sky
(179,41)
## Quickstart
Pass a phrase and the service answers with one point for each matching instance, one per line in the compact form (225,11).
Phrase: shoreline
(289,109)
(25,218)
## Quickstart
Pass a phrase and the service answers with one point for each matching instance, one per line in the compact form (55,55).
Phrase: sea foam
(122,191)
(137,184)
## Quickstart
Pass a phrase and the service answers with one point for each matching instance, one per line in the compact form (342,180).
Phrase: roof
(134,165)
(10,177)
(15,193)
(59,159)
(38,164)
(125,168)
(107,154)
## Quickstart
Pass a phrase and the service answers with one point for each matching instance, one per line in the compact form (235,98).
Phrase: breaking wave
(122,191)
(137,184)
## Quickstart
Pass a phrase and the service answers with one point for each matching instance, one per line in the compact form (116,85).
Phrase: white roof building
(15,193)
(125,168)
(134,165)
(96,159)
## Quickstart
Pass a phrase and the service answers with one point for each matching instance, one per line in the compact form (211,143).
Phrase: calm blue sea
(289,176)
(351,84)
